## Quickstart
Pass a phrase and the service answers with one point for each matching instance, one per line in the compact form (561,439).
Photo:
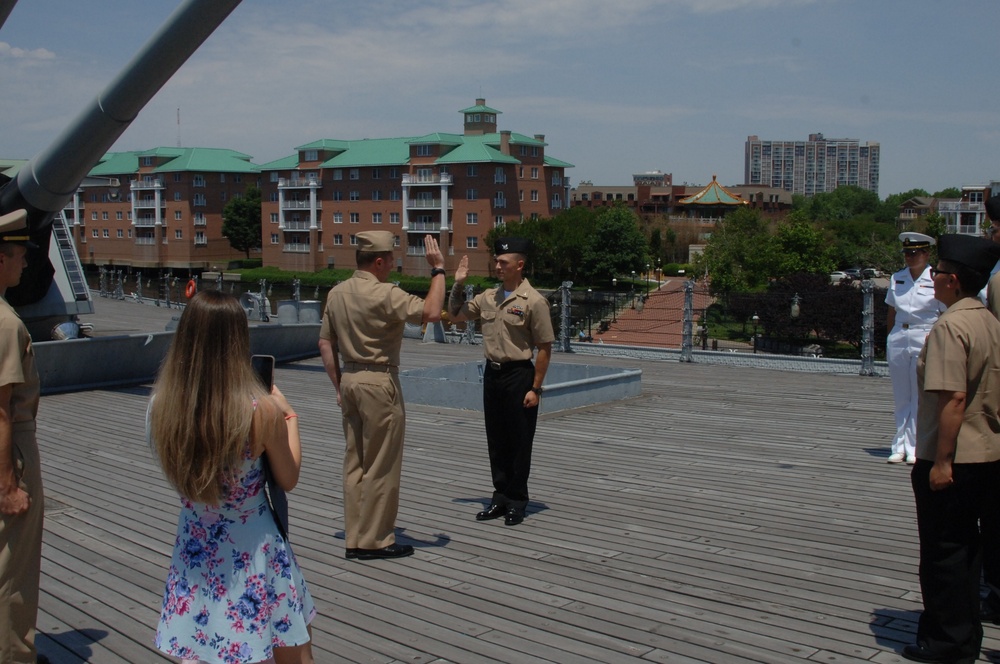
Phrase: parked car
(837,277)
(871,273)
(853,272)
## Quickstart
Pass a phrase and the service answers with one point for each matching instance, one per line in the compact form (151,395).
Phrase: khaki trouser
(21,555)
(374,425)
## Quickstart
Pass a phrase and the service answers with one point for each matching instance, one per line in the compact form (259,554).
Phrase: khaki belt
(378,368)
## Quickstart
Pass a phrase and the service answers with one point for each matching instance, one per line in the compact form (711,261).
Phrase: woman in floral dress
(234,592)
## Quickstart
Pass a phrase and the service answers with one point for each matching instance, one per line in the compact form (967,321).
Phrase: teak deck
(725,515)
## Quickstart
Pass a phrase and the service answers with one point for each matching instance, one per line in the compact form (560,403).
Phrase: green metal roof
(713,194)
(283,164)
(372,152)
(480,108)
(552,161)
(116,163)
(437,139)
(205,159)
(325,144)
(473,151)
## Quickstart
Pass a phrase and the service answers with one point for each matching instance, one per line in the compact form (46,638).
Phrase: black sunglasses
(935,272)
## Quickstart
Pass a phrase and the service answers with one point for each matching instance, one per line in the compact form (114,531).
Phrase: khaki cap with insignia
(376,241)
(14,228)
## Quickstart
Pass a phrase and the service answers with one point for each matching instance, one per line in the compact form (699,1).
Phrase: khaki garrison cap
(376,241)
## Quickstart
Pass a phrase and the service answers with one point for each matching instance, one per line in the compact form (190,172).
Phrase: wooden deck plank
(725,514)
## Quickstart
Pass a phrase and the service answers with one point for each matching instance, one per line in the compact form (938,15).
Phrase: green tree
(738,255)
(798,246)
(949,192)
(616,246)
(241,221)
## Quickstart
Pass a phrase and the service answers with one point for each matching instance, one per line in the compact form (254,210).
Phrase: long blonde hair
(202,406)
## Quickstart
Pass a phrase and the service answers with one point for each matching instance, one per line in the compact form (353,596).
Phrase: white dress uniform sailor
(916,311)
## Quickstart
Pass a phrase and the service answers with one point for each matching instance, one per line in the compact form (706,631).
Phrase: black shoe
(989,612)
(494,511)
(917,652)
(351,554)
(513,517)
(391,551)
(42,659)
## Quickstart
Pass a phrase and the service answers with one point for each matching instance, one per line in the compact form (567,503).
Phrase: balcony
(200,241)
(145,222)
(299,183)
(427,204)
(296,248)
(300,205)
(137,185)
(297,225)
(426,227)
(145,240)
(427,179)
(959,206)
(148,203)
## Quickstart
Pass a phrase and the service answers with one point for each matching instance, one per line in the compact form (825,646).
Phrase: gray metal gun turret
(47,182)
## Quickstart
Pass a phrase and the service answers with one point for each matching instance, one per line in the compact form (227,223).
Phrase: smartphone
(263,366)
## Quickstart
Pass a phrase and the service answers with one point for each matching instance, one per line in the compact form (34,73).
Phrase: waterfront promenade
(725,515)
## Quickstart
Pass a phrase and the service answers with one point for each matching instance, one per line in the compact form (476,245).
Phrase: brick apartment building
(455,186)
(160,208)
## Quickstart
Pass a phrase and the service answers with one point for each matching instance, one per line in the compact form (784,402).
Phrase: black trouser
(510,430)
(951,553)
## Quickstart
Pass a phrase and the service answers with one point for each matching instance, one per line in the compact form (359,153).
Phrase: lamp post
(755,319)
(794,313)
(647,279)
(614,294)
(631,290)
(590,294)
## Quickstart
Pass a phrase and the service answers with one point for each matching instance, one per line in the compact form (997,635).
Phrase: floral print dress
(234,590)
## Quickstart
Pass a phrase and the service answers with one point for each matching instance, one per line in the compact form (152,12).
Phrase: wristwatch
(436,271)
(537,390)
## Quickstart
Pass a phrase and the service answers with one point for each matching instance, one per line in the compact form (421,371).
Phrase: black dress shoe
(494,511)
(917,652)
(351,554)
(42,659)
(391,551)
(513,517)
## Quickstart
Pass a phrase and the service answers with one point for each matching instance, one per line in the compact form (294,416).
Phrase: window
(178,234)
(119,233)
(354,240)
(147,161)
(499,177)
(199,238)
(237,178)
(275,176)
(376,217)
(274,238)
(338,240)
(520,172)
(423,151)
(393,217)
(130,233)
(178,215)
(524,150)
(377,195)
(394,173)
(534,195)
(498,220)
(338,174)
(274,217)
(338,217)
(355,173)
(471,242)
(95,233)
(520,194)
(198,181)
(355,218)
(223,197)
(177,177)
(534,151)
(355,196)
(93,217)
(177,195)
(199,219)
(534,173)
(394,195)
(311,155)
(104,215)
(222,177)
(105,233)
(376,174)
(199,200)
(118,215)
(470,170)
(472,218)
(499,200)
(338,195)
(470,194)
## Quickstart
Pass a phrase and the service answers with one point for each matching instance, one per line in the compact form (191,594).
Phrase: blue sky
(616,87)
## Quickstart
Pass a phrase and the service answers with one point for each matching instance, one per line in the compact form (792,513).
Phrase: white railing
(145,240)
(148,203)
(146,184)
(297,225)
(428,203)
(145,221)
(298,182)
(200,241)
(427,179)
(300,205)
(296,248)
(201,222)
(959,206)
(416,251)
(426,226)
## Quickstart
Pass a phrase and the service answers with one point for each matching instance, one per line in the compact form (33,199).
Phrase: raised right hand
(463,270)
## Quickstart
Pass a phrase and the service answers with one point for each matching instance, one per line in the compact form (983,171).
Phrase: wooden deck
(725,515)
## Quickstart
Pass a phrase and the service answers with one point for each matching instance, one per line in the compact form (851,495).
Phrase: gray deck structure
(725,515)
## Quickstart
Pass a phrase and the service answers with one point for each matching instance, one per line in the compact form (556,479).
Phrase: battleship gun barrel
(46,183)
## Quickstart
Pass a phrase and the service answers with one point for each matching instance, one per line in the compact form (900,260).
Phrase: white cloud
(8,51)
